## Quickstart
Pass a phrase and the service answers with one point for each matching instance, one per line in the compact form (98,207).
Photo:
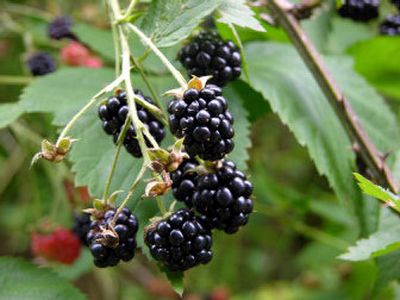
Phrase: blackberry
(202,117)
(359,10)
(113,114)
(41,63)
(180,241)
(208,54)
(60,28)
(391,25)
(396,3)
(81,226)
(222,198)
(109,243)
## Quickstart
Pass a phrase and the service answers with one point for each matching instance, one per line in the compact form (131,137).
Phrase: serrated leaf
(169,22)
(278,73)
(236,12)
(9,112)
(97,39)
(22,280)
(377,244)
(377,192)
(242,127)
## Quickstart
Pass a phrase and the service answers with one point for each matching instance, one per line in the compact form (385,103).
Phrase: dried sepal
(53,152)
(198,83)
(156,188)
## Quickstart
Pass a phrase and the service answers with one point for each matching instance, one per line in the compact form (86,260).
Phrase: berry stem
(375,161)
(240,44)
(121,138)
(155,111)
(117,47)
(14,80)
(130,9)
(178,76)
(88,105)
(161,206)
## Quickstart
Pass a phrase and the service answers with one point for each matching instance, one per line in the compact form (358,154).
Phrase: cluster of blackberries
(41,63)
(114,113)
(180,241)
(391,25)
(359,10)
(60,28)
(202,117)
(221,198)
(207,54)
(111,242)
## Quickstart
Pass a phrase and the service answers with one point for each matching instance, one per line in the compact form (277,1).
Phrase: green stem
(240,44)
(121,138)
(88,105)
(117,47)
(27,11)
(15,80)
(154,110)
(178,76)
(130,9)
(161,206)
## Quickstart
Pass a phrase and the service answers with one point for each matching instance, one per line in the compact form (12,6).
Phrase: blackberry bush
(391,25)
(113,114)
(202,117)
(41,63)
(207,54)
(81,226)
(109,243)
(60,28)
(359,10)
(180,241)
(222,197)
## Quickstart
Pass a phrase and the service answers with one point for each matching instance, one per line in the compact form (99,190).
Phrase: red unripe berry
(92,62)
(74,54)
(61,246)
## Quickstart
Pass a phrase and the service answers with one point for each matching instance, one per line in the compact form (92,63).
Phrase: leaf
(242,127)
(377,244)
(377,192)
(297,99)
(22,280)
(9,112)
(236,12)
(97,39)
(383,71)
(169,22)
(176,281)
(388,270)
(81,266)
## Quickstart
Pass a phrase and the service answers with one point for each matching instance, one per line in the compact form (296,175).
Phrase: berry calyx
(180,241)
(114,112)
(62,246)
(203,118)
(207,54)
(60,28)
(111,242)
(359,10)
(41,63)
(221,197)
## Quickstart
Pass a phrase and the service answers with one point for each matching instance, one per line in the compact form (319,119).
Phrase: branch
(372,157)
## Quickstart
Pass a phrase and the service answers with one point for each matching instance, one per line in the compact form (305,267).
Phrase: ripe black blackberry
(180,241)
(207,54)
(41,63)
(202,117)
(109,243)
(113,114)
(222,197)
(81,226)
(60,28)
(391,26)
(359,10)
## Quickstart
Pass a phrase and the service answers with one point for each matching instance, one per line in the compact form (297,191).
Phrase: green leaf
(169,22)
(383,71)
(377,244)
(242,127)
(377,192)
(279,74)
(97,39)
(81,266)
(388,270)
(176,281)
(9,112)
(236,12)
(22,280)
